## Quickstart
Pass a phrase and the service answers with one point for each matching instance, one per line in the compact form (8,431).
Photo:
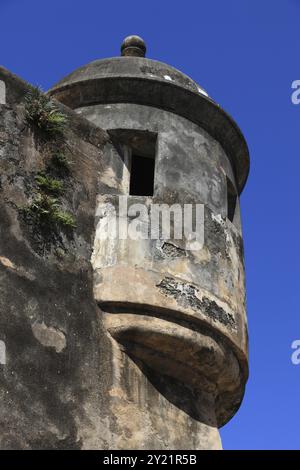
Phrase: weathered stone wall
(49,321)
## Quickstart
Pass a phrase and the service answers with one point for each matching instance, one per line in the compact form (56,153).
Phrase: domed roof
(131,67)
(132,78)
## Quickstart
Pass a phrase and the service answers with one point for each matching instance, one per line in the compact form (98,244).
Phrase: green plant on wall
(65,219)
(49,184)
(42,112)
(47,210)
(60,161)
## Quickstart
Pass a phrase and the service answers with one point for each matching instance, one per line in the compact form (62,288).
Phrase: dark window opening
(139,158)
(231,200)
(141,176)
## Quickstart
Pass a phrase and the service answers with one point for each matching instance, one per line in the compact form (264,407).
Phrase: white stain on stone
(105,246)
(109,178)
(167,77)
(2,353)
(2,92)
(218,218)
(203,92)
(49,336)
(7,263)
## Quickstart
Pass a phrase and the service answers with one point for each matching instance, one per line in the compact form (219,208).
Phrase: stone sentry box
(176,314)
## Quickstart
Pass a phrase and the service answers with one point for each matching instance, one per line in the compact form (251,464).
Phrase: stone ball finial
(133,46)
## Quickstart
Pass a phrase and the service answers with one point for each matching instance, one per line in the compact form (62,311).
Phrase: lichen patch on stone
(49,336)
(170,250)
(189,296)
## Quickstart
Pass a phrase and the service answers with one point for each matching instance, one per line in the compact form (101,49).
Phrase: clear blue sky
(246,55)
